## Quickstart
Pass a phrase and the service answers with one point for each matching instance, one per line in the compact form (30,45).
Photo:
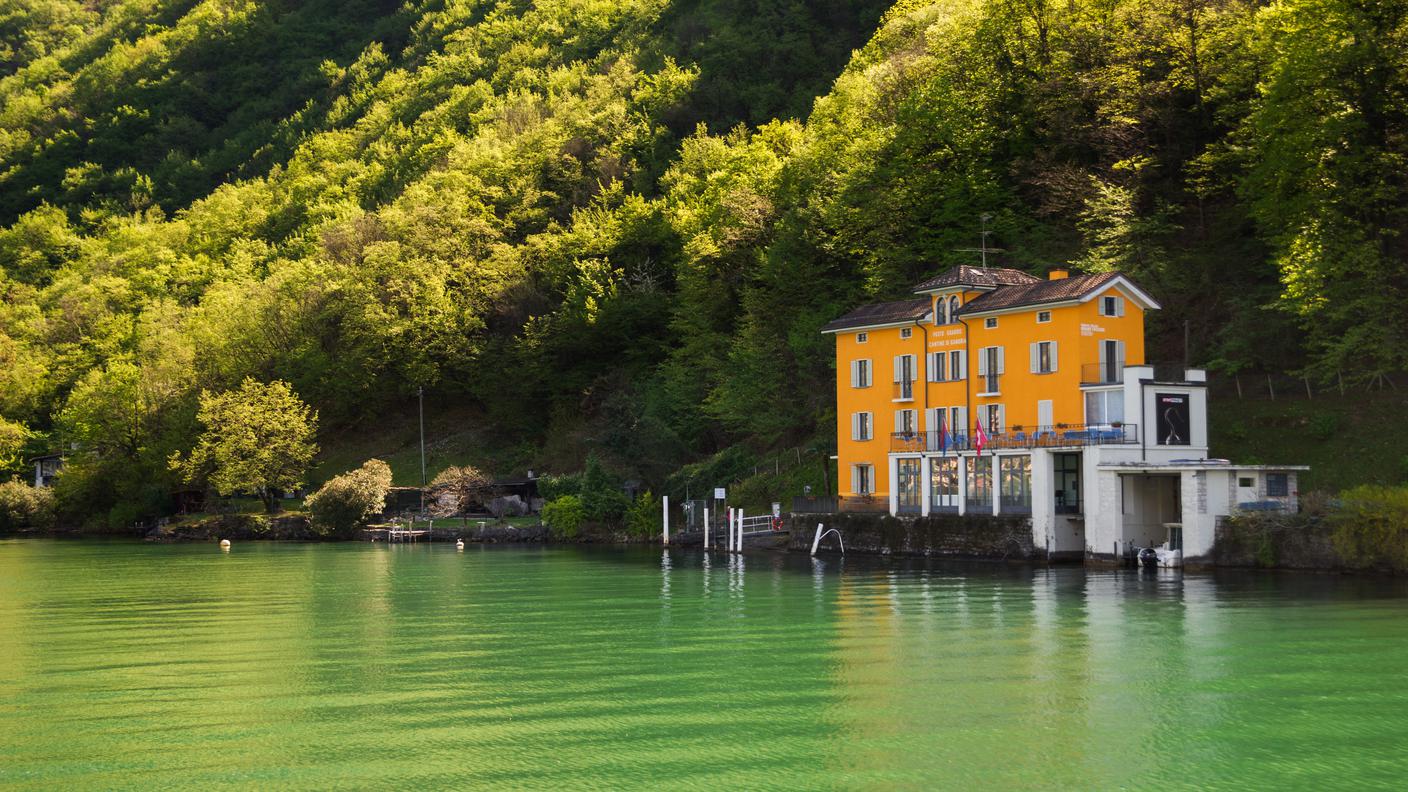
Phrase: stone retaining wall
(947,535)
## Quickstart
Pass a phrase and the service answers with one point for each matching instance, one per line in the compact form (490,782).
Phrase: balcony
(990,385)
(904,390)
(1018,437)
(1108,373)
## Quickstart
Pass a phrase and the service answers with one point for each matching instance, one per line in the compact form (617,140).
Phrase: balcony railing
(1107,373)
(1057,436)
(904,390)
(989,383)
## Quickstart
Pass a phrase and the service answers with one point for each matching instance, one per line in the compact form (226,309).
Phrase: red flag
(980,438)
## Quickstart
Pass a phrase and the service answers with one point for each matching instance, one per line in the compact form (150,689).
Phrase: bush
(347,502)
(643,516)
(1324,426)
(1371,526)
(554,487)
(564,516)
(23,506)
(602,498)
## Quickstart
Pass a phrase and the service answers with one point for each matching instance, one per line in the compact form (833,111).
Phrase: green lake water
(125,665)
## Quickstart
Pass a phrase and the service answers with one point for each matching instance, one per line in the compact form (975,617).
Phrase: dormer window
(906,332)
(990,323)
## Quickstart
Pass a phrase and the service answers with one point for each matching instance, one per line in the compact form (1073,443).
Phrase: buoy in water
(459,544)
(224,544)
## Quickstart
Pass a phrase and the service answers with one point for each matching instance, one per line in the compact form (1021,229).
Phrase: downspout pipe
(967,370)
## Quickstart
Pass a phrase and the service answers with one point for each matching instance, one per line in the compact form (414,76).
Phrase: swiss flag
(980,438)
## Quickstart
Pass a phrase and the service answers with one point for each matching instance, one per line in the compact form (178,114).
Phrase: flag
(945,437)
(980,438)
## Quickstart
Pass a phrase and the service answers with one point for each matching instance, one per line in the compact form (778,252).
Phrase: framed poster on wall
(1171,418)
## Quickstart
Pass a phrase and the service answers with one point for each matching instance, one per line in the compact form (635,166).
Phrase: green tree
(347,502)
(457,489)
(257,439)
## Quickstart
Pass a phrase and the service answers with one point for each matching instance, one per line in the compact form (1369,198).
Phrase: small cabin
(46,468)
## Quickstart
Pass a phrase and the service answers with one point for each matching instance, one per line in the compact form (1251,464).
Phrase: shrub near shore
(23,507)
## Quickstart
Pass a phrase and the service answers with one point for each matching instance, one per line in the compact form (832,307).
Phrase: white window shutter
(1001,418)
(898,358)
(1001,360)
(983,362)
(869,378)
(1119,306)
(1036,357)
(1104,359)
(855,479)
(1119,352)
(963,364)
(961,425)
(1053,355)
(855,426)
(855,373)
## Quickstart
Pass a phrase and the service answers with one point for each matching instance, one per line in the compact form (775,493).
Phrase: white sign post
(665,515)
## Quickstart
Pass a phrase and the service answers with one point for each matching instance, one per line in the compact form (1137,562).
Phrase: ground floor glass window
(1014,475)
(943,483)
(907,475)
(979,483)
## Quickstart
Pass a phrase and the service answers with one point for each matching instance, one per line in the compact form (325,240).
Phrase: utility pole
(420,395)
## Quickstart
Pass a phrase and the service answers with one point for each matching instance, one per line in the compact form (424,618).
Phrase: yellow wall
(1077,330)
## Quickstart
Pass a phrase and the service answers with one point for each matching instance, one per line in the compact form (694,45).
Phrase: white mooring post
(665,515)
(706,527)
(739,542)
(728,540)
(816,540)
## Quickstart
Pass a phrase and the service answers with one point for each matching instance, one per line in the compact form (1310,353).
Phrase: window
(861,376)
(992,418)
(990,323)
(861,338)
(1103,408)
(862,479)
(1246,482)
(953,308)
(1014,482)
(1042,317)
(1278,485)
(940,316)
(957,369)
(943,483)
(1111,367)
(907,482)
(861,425)
(1066,471)
(937,366)
(991,361)
(1112,306)
(1043,357)
(904,377)
(905,422)
(979,482)
(906,332)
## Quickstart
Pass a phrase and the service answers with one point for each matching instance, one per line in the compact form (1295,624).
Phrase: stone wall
(945,535)
(1275,540)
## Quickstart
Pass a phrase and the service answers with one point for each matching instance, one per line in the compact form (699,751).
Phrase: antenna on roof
(984,250)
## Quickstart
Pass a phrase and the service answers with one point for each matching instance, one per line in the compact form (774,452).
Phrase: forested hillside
(617,225)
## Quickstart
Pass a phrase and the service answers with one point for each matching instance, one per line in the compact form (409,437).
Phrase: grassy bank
(1359,438)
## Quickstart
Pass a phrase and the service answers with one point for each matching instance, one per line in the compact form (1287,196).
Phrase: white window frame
(938,368)
(906,416)
(862,426)
(862,373)
(1037,349)
(906,332)
(990,323)
(957,365)
(862,338)
(1114,303)
(863,473)
(1040,315)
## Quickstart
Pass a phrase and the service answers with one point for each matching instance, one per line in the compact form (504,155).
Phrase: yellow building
(986,356)
(995,392)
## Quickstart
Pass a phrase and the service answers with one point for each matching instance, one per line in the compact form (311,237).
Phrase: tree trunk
(271,501)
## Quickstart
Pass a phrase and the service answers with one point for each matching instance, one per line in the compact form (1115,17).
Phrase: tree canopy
(615,227)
